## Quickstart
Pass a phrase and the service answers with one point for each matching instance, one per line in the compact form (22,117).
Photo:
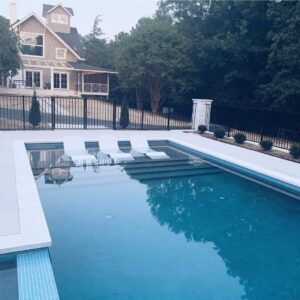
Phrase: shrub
(219,133)
(266,145)
(124,117)
(295,151)
(239,138)
(35,112)
(202,128)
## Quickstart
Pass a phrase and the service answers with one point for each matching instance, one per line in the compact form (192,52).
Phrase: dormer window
(59,19)
(32,44)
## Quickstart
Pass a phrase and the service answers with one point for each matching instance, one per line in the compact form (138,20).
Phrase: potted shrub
(35,112)
(202,128)
(239,138)
(219,133)
(124,117)
(266,145)
(295,151)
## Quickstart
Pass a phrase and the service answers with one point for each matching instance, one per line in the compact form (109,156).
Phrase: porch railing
(95,88)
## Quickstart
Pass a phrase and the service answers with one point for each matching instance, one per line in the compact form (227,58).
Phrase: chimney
(13,12)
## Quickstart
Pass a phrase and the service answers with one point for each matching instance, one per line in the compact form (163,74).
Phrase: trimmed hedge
(266,145)
(239,138)
(295,151)
(219,133)
(202,128)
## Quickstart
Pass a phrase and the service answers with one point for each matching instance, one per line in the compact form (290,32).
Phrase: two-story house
(52,57)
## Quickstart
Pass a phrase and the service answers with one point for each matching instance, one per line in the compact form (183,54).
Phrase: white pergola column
(201,113)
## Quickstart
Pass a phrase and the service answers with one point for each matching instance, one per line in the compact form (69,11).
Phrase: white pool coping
(24,227)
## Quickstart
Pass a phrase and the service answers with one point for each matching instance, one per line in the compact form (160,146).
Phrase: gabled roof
(47,8)
(79,66)
(73,40)
(50,30)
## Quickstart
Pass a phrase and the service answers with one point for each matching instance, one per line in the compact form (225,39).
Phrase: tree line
(240,53)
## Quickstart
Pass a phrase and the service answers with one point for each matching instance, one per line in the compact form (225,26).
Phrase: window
(32,78)
(60,80)
(32,44)
(61,53)
(59,19)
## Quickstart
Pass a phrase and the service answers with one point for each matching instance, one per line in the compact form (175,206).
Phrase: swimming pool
(181,229)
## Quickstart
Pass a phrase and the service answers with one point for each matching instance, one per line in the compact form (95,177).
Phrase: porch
(91,83)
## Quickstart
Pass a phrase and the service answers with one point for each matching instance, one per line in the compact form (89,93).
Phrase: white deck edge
(34,231)
(280,176)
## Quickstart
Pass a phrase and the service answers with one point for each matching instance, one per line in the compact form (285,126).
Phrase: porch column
(82,82)
(201,112)
(51,79)
(107,86)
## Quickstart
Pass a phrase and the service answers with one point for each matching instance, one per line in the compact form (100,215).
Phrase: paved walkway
(22,221)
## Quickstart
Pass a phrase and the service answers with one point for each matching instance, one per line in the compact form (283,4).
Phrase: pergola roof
(76,66)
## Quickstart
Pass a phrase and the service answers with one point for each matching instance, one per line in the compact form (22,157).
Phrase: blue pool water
(139,233)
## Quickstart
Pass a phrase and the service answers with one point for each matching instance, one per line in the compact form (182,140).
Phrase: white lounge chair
(75,148)
(109,145)
(139,144)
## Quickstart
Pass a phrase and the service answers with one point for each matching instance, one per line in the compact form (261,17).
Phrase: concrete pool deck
(22,221)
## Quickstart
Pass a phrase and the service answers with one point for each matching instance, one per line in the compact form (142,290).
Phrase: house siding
(59,27)
(50,41)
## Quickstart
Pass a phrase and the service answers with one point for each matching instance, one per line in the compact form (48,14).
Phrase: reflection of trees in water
(255,230)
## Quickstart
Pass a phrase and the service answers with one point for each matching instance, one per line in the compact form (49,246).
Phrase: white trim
(59,49)
(96,71)
(49,29)
(59,5)
(33,56)
(68,80)
(41,77)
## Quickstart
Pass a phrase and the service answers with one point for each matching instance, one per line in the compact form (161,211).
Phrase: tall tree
(9,54)
(150,56)
(283,70)
(95,46)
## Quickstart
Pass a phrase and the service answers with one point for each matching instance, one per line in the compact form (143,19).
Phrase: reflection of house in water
(42,159)
(58,175)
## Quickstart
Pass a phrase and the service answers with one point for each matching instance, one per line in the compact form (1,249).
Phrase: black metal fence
(283,128)
(85,113)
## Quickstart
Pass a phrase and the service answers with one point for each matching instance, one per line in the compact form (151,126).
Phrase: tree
(150,56)
(9,57)
(124,117)
(35,113)
(95,47)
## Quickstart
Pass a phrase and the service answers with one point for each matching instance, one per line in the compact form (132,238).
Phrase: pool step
(169,174)
(167,168)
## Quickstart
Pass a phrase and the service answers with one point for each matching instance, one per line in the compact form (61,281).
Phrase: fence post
(114,114)
(23,104)
(84,113)
(169,115)
(262,124)
(53,113)
(201,113)
(142,121)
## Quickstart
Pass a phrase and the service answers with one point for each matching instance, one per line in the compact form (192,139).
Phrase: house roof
(72,40)
(49,7)
(50,30)
(85,67)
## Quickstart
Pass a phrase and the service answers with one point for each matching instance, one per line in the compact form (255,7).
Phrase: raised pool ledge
(33,233)
(259,176)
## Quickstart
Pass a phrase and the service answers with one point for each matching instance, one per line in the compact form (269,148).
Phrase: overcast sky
(117,15)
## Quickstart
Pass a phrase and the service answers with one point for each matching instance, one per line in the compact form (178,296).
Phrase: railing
(283,128)
(96,88)
(84,113)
